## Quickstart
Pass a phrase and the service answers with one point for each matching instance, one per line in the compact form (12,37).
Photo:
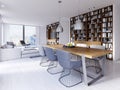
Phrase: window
(30,35)
(15,33)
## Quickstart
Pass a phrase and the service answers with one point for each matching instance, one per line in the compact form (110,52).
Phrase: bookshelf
(52,35)
(98,26)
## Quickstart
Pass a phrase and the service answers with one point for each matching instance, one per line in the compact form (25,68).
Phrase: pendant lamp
(78,24)
(59,28)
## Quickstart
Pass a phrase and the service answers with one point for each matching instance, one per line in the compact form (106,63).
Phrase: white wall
(5,33)
(38,35)
(0,30)
(65,35)
(116,30)
(42,35)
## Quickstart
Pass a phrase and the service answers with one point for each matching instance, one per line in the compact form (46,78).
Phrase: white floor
(27,74)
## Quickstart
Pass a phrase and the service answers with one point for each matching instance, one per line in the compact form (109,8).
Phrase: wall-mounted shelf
(52,35)
(98,26)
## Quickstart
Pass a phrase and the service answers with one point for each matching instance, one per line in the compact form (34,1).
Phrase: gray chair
(64,59)
(50,54)
(98,59)
(45,61)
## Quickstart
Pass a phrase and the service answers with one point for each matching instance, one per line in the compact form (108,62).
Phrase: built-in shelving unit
(52,35)
(98,26)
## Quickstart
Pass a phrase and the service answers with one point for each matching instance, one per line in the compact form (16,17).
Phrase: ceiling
(42,12)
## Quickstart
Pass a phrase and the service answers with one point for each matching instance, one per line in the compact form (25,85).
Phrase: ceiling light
(2,5)
(78,24)
(59,28)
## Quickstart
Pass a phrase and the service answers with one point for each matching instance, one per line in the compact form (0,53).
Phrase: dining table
(84,53)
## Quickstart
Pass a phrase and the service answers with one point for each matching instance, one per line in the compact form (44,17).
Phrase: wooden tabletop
(87,52)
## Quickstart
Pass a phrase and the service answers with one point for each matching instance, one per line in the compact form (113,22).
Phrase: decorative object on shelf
(69,45)
(59,28)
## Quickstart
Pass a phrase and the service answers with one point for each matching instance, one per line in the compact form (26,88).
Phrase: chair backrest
(97,46)
(22,42)
(41,50)
(50,54)
(10,43)
(63,58)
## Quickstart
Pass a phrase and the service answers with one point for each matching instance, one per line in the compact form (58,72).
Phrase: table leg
(103,65)
(101,74)
(84,70)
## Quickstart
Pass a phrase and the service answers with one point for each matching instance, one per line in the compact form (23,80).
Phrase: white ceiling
(42,12)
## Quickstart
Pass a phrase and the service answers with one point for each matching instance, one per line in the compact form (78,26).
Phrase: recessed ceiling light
(2,6)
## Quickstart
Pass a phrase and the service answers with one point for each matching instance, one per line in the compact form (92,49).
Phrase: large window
(13,33)
(16,33)
(30,35)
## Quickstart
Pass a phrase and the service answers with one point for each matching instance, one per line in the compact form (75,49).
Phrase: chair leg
(97,67)
(65,75)
(43,62)
(51,66)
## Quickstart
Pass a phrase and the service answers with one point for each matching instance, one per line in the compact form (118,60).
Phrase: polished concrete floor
(27,74)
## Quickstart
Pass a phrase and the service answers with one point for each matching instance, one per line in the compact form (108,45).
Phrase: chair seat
(52,58)
(68,65)
(76,64)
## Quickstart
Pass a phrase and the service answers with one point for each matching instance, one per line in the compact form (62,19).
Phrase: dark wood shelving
(98,26)
(52,35)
